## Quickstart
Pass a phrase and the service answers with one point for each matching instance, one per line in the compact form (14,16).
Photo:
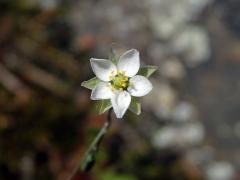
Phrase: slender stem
(93,148)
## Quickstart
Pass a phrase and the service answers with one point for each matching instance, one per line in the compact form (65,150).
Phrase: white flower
(119,82)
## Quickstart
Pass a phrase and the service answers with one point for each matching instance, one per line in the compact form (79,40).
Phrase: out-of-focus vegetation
(189,126)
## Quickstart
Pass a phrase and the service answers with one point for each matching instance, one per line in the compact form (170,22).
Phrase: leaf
(91,83)
(88,162)
(113,56)
(135,106)
(102,106)
(147,71)
(90,157)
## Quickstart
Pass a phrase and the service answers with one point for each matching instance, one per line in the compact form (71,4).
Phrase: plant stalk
(87,162)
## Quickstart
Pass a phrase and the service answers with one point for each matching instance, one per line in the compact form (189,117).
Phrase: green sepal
(113,56)
(91,83)
(147,71)
(135,106)
(102,106)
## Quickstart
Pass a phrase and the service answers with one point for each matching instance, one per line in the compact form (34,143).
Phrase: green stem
(87,162)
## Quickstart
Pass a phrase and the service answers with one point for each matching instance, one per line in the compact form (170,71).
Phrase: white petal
(129,62)
(120,102)
(103,68)
(139,86)
(102,91)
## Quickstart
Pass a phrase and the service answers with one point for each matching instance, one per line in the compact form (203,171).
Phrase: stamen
(120,81)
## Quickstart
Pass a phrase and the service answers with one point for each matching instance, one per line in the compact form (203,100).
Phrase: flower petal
(102,91)
(139,86)
(103,68)
(120,102)
(129,62)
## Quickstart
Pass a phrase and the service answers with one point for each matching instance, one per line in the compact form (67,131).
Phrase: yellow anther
(120,81)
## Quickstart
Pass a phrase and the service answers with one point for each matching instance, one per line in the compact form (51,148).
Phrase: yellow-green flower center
(120,81)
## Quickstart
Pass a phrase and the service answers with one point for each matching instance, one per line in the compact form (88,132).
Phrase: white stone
(193,44)
(172,69)
(162,100)
(220,171)
(184,112)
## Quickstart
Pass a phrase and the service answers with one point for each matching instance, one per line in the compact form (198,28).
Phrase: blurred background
(189,128)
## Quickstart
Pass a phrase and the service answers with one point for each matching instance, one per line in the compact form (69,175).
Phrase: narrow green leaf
(91,83)
(102,106)
(147,71)
(135,106)
(88,162)
(89,158)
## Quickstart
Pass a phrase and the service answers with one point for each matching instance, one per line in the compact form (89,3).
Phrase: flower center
(120,81)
